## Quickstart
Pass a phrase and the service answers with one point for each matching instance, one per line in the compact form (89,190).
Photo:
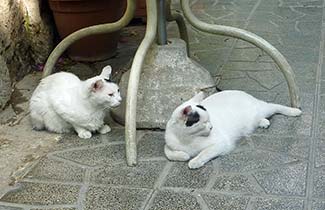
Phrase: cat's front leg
(204,129)
(203,157)
(104,129)
(82,133)
(176,155)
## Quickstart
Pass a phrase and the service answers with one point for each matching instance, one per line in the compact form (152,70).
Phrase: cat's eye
(118,90)
(111,94)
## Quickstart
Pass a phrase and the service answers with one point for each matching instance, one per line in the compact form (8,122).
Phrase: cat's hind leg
(104,129)
(176,155)
(285,110)
(264,123)
(53,122)
(37,121)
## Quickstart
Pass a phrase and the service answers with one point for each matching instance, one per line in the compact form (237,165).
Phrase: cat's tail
(285,110)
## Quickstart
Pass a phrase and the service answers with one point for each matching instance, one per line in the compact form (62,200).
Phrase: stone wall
(26,40)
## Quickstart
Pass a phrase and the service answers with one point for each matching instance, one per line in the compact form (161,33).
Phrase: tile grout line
(31,207)
(150,200)
(201,202)
(83,190)
(309,184)
(159,182)
(215,173)
(250,204)
(50,207)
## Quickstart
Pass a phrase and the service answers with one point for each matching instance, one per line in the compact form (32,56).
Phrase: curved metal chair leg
(251,38)
(180,21)
(131,100)
(91,30)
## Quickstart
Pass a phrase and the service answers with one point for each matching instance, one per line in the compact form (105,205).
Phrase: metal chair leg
(180,21)
(131,100)
(91,30)
(251,38)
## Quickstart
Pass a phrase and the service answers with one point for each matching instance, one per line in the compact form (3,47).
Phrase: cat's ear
(198,97)
(106,72)
(96,86)
(187,110)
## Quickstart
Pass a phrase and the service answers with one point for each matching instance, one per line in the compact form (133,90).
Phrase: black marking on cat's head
(201,107)
(192,118)
(108,80)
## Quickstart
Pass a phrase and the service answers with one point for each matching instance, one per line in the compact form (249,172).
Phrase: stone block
(54,170)
(267,79)
(236,183)
(225,202)
(318,205)
(43,194)
(246,84)
(167,69)
(61,208)
(71,140)
(144,175)
(212,60)
(319,183)
(151,145)
(107,198)
(9,208)
(295,146)
(289,126)
(248,66)
(251,160)
(234,6)
(181,176)
(167,199)
(284,181)
(320,153)
(277,204)
(95,156)
(242,55)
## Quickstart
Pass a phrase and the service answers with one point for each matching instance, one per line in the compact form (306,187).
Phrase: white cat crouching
(200,130)
(62,102)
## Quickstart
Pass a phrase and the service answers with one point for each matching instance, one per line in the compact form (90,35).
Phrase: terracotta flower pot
(71,15)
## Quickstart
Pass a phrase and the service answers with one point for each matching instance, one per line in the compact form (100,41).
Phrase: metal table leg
(180,21)
(91,30)
(131,100)
(251,38)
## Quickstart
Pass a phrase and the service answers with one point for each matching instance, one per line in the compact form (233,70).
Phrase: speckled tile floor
(280,168)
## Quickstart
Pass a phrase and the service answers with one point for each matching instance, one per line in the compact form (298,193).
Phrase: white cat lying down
(204,129)
(62,102)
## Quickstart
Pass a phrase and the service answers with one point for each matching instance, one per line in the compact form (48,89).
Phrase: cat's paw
(264,123)
(104,129)
(195,163)
(84,134)
(295,112)
(176,155)
(180,156)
